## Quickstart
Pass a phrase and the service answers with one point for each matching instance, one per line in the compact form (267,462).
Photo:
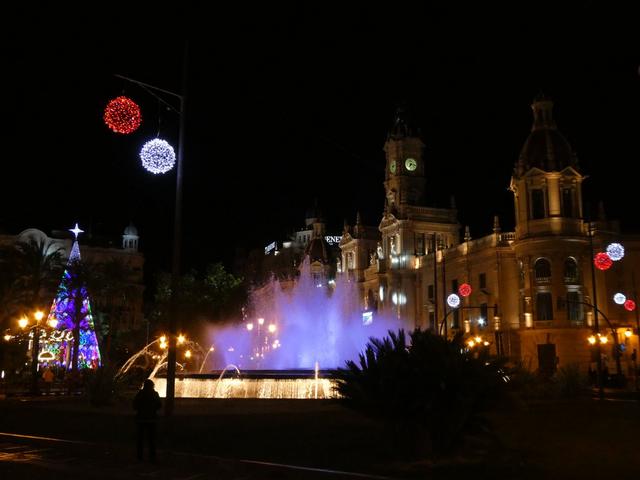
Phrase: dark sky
(289,103)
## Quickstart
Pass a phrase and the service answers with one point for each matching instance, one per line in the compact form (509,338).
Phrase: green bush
(429,391)
(571,381)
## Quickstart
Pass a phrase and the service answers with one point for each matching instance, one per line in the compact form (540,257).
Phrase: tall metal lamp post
(596,325)
(177,224)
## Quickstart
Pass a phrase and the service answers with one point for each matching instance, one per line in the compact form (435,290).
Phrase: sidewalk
(23,457)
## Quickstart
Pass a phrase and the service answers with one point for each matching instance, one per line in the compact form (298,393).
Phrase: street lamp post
(177,224)
(35,351)
(596,325)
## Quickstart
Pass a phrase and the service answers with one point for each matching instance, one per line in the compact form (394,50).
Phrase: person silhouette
(146,403)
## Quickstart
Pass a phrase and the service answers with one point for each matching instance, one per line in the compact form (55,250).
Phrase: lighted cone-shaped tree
(71,310)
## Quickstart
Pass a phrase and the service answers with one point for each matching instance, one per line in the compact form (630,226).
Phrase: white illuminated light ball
(619,298)
(615,251)
(453,300)
(157,156)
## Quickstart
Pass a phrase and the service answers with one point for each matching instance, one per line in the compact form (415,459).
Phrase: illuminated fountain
(279,353)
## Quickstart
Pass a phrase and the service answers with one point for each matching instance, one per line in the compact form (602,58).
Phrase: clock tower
(405,173)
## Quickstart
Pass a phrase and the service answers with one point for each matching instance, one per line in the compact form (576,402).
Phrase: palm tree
(36,265)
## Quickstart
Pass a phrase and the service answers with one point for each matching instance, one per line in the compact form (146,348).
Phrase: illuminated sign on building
(269,247)
(367,318)
(333,239)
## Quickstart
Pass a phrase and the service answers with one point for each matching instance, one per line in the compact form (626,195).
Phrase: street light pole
(596,326)
(177,223)
(35,351)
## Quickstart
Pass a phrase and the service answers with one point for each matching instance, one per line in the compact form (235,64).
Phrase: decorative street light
(35,345)
(158,160)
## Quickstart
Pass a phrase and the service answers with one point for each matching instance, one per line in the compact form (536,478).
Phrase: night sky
(287,104)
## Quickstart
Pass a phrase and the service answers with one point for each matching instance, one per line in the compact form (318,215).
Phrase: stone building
(532,290)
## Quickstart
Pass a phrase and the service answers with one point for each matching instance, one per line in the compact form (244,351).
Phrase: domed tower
(130,238)
(546,181)
(405,173)
(552,251)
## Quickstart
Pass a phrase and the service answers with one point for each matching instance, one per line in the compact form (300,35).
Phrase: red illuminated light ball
(122,115)
(464,290)
(602,261)
(630,305)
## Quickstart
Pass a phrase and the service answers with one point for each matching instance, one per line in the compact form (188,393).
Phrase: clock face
(411,164)
(392,167)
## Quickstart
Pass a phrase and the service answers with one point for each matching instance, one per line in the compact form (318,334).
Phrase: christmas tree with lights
(76,343)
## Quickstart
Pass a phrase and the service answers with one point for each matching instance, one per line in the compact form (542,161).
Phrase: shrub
(429,391)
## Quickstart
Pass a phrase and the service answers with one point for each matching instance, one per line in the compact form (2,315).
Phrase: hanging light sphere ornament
(630,305)
(619,298)
(602,261)
(157,156)
(464,290)
(453,300)
(615,251)
(122,115)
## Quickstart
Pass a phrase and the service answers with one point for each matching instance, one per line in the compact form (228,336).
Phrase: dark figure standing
(146,403)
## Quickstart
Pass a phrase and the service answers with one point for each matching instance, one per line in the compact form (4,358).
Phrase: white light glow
(261,321)
(157,156)
(615,251)
(367,318)
(249,326)
(481,321)
(619,298)
(272,328)
(453,300)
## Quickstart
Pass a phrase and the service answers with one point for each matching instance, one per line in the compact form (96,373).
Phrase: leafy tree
(429,390)
(212,293)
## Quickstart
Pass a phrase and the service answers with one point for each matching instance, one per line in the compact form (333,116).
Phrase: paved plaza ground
(308,439)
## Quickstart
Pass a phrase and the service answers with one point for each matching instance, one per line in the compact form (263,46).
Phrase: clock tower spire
(405,173)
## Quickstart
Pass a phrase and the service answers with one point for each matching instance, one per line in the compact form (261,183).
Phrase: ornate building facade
(533,291)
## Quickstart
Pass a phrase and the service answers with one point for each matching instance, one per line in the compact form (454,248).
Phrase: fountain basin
(293,384)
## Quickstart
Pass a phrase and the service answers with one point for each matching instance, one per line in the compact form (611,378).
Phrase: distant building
(99,251)
(283,258)
(532,290)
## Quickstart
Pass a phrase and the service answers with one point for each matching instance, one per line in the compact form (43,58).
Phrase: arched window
(570,270)
(542,270)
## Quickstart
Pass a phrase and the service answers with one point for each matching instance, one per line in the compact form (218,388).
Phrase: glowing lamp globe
(122,115)
(453,300)
(157,156)
(630,305)
(615,251)
(619,298)
(602,261)
(464,290)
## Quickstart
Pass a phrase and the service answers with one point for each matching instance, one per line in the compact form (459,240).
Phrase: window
(574,307)
(432,320)
(542,269)
(420,244)
(484,313)
(482,280)
(537,204)
(567,202)
(430,292)
(570,270)
(544,308)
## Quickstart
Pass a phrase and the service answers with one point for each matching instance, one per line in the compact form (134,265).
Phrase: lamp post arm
(613,330)
(150,90)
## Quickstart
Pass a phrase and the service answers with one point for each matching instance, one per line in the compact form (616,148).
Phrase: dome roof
(545,148)
(131,230)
